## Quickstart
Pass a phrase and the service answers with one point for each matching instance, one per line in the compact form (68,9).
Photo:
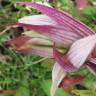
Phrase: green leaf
(89,10)
(23,89)
(46,85)
(89,13)
(65,2)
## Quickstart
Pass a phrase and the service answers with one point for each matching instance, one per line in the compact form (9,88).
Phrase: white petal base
(58,74)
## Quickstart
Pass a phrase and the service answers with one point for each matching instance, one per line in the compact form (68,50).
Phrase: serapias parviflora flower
(63,30)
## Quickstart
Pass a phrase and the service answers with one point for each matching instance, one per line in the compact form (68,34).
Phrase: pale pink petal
(81,49)
(37,20)
(63,61)
(61,18)
(58,74)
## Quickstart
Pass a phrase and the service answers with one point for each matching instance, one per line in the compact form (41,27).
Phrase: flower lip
(19,41)
(68,82)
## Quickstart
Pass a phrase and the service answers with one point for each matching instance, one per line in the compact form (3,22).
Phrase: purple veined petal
(37,20)
(63,61)
(92,68)
(58,74)
(57,34)
(41,20)
(61,18)
(81,49)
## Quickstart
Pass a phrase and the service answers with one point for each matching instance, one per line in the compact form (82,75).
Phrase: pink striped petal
(81,49)
(81,4)
(92,68)
(58,74)
(57,34)
(61,18)
(63,35)
(63,61)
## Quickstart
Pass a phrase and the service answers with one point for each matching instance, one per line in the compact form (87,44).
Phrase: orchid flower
(63,30)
